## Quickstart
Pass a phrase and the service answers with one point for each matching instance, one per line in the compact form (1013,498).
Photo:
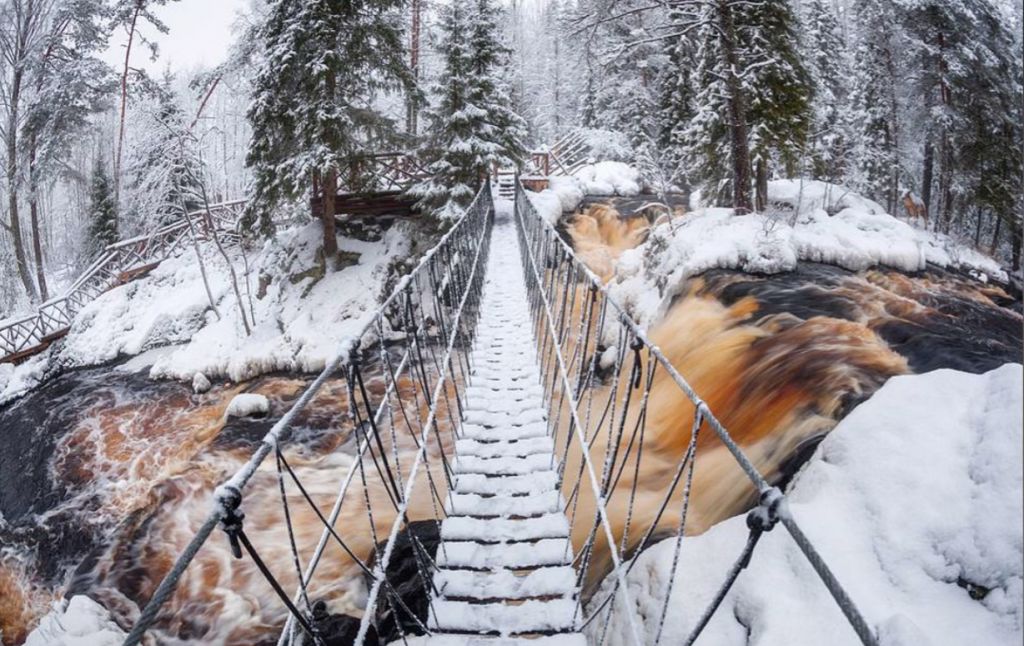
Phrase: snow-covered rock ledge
(304,311)
(79,621)
(914,500)
(806,222)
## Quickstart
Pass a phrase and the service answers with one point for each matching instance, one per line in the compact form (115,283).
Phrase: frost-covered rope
(543,233)
(279,433)
(580,435)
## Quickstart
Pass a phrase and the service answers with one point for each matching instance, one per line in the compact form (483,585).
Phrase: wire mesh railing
(115,262)
(623,487)
(404,378)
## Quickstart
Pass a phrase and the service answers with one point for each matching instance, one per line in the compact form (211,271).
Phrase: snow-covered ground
(79,621)
(303,313)
(806,221)
(919,488)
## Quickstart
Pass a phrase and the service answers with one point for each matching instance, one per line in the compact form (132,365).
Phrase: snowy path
(505,561)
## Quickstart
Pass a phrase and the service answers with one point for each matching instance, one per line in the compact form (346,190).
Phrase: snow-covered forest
(915,104)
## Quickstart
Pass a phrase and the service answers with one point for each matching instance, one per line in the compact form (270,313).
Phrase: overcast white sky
(200,33)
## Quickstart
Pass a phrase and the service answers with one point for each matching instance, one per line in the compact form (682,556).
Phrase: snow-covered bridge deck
(505,560)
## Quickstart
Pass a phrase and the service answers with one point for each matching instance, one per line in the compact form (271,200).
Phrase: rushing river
(106,474)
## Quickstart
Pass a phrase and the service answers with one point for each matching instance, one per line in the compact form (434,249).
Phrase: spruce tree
(102,209)
(876,112)
(677,107)
(472,126)
(778,86)
(706,141)
(489,64)
(826,58)
(962,58)
(313,112)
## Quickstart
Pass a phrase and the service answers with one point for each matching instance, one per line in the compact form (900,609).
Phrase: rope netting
(623,491)
(404,378)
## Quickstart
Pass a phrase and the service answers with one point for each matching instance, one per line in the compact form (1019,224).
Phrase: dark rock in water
(405,601)
(339,630)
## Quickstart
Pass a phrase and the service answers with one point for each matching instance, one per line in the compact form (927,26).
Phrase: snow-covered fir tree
(472,126)
(875,105)
(962,65)
(827,61)
(778,88)
(627,100)
(102,209)
(313,112)
(677,107)
(155,168)
(706,139)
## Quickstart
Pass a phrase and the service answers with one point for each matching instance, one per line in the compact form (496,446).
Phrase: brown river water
(106,474)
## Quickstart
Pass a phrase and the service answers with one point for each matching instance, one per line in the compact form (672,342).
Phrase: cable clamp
(231,517)
(765,516)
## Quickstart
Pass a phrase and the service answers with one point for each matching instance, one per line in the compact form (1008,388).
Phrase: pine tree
(313,112)
(826,58)
(102,209)
(472,126)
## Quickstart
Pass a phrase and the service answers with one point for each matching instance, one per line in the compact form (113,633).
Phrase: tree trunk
(894,128)
(124,102)
(412,111)
(33,205)
(330,191)
(761,181)
(741,169)
(926,176)
(1016,242)
(977,228)
(12,186)
(995,237)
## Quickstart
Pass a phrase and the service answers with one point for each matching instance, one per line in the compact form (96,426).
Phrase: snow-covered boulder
(200,383)
(609,178)
(914,501)
(78,622)
(247,405)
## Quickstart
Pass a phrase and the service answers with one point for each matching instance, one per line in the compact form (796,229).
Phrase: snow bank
(78,622)
(914,500)
(806,221)
(609,178)
(565,193)
(246,404)
(303,310)
(16,380)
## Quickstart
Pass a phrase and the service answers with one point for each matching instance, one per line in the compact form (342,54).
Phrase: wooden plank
(23,355)
(368,205)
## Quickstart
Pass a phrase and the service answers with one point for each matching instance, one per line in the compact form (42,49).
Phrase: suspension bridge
(498,403)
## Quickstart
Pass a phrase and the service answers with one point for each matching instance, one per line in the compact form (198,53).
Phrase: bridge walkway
(505,561)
